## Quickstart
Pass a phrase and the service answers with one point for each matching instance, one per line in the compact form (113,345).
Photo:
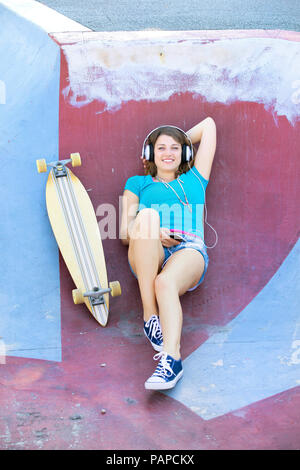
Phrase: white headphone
(187,149)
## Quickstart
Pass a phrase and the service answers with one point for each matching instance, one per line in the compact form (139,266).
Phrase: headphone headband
(187,149)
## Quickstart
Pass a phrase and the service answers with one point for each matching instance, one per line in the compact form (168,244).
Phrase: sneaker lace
(154,329)
(163,368)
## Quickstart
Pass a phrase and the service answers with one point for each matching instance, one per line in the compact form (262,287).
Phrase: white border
(46,18)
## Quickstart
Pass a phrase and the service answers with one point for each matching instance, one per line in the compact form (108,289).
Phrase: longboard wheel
(41,165)
(77,296)
(115,288)
(76,160)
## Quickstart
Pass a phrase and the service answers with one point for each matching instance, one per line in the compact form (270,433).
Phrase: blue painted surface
(255,356)
(29,270)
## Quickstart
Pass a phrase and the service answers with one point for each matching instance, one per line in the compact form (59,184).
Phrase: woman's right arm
(130,204)
(205,132)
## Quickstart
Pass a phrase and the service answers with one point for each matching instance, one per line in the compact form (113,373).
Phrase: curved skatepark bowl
(68,383)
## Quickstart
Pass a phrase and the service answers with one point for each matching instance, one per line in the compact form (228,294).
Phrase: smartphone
(177,237)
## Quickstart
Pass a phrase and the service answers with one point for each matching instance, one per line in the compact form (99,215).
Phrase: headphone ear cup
(183,153)
(149,153)
(146,152)
(186,153)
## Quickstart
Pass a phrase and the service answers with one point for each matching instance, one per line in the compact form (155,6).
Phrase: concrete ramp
(65,380)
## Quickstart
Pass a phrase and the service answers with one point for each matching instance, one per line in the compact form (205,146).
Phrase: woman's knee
(146,225)
(163,283)
(148,215)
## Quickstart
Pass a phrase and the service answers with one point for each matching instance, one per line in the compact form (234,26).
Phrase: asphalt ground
(176,15)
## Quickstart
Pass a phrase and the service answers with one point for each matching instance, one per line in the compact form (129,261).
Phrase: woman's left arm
(205,132)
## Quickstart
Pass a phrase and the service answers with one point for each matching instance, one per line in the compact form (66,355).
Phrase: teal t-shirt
(173,214)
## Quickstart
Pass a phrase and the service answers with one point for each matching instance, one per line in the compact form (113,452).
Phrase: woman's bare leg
(182,271)
(146,256)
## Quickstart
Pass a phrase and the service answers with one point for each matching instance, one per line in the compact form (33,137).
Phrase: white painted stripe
(41,15)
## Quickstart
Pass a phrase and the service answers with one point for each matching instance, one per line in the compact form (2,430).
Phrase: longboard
(74,224)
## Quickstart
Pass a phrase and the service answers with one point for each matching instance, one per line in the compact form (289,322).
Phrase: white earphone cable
(206,213)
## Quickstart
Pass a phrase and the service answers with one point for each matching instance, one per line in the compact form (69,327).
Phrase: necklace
(167,185)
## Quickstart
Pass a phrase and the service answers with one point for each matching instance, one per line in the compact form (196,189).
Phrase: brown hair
(151,168)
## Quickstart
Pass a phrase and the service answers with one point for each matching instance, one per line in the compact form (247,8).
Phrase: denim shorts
(190,241)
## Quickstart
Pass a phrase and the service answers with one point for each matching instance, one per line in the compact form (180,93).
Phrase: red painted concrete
(60,405)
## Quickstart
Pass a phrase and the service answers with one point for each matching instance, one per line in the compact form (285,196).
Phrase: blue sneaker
(167,373)
(153,332)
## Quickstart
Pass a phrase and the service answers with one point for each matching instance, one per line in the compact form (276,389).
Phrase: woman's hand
(165,238)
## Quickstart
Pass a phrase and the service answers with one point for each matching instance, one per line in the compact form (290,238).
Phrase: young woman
(162,222)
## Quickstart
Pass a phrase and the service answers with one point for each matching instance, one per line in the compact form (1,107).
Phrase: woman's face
(167,153)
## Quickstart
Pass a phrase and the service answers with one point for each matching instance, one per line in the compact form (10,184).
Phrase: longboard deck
(75,228)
